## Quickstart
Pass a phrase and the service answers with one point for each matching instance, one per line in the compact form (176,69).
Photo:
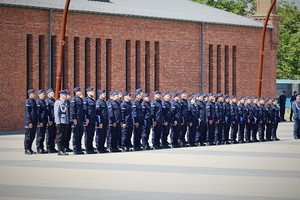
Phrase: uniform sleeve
(173,111)
(153,111)
(296,112)
(123,113)
(73,109)
(208,112)
(28,111)
(135,112)
(144,109)
(85,109)
(98,112)
(39,112)
(56,112)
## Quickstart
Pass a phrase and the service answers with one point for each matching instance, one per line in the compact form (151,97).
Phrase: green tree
(242,7)
(288,56)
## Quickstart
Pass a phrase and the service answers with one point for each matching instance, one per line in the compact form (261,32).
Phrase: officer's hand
(233,122)
(175,123)
(41,124)
(136,125)
(30,125)
(269,122)
(87,121)
(154,123)
(249,121)
(75,122)
(50,123)
(217,122)
(124,125)
(100,125)
(166,124)
(114,124)
(210,122)
(191,124)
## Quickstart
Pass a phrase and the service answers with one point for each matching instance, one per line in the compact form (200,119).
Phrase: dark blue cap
(90,89)
(30,91)
(261,98)
(240,97)
(49,90)
(191,94)
(68,92)
(232,97)
(191,97)
(204,95)
(114,93)
(111,93)
(126,94)
(165,93)
(175,94)
(63,92)
(254,97)
(145,95)
(157,92)
(182,92)
(219,95)
(138,91)
(41,91)
(226,96)
(247,97)
(77,89)
(198,94)
(101,91)
(274,99)
(268,98)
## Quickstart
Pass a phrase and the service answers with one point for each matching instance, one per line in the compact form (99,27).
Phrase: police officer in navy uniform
(126,121)
(234,118)
(31,121)
(275,110)
(77,115)
(137,113)
(193,121)
(61,116)
(296,110)
(102,121)
(176,110)
(220,119)
(257,119)
(146,107)
(51,128)
(242,119)
(90,112)
(249,118)
(270,119)
(293,98)
(185,117)
(212,119)
(282,102)
(227,119)
(158,120)
(41,127)
(69,131)
(202,121)
(262,119)
(114,113)
(166,106)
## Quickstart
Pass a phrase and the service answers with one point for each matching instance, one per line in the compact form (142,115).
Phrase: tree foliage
(242,7)
(288,57)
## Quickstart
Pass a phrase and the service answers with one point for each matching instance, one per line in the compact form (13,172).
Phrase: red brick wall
(179,49)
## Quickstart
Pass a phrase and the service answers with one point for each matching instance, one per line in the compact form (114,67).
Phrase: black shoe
(210,144)
(125,149)
(218,143)
(90,152)
(78,153)
(28,152)
(137,149)
(116,150)
(61,153)
(68,150)
(227,142)
(174,146)
(234,142)
(255,140)
(296,138)
(82,149)
(52,151)
(156,147)
(193,145)
(166,146)
(276,139)
(102,151)
(146,148)
(242,141)
(248,141)
(41,151)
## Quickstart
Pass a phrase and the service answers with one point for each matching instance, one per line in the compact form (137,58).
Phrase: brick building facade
(118,52)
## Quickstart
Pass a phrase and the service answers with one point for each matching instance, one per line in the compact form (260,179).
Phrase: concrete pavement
(269,170)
